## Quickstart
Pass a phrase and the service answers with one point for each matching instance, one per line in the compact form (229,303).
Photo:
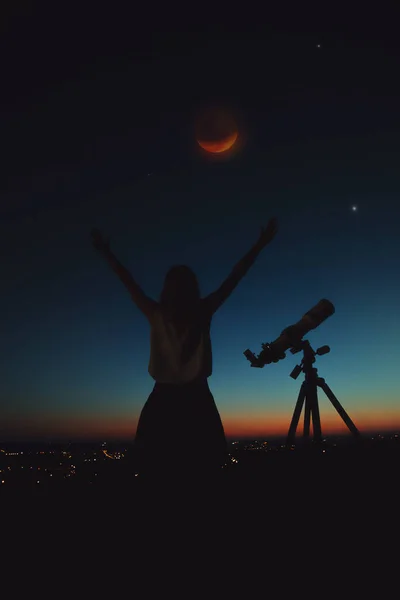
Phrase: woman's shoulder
(156,315)
(205,307)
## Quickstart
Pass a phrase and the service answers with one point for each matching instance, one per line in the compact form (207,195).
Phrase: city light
(94,464)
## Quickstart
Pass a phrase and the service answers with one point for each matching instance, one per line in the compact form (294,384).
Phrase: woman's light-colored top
(179,357)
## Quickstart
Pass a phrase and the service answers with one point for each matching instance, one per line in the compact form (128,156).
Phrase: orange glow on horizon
(262,425)
(254,425)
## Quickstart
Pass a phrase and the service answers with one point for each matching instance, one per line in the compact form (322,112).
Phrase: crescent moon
(218,146)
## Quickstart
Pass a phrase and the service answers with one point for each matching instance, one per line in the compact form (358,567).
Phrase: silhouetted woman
(179,429)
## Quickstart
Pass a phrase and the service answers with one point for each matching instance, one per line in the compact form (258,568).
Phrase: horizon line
(230,439)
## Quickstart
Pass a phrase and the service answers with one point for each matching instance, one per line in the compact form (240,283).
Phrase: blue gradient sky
(113,147)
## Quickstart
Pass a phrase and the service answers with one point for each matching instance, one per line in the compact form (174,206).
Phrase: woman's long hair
(180,295)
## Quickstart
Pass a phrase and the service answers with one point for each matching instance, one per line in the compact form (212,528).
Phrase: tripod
(309,396)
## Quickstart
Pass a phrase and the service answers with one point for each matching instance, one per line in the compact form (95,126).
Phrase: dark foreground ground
(321,478)
(289,517)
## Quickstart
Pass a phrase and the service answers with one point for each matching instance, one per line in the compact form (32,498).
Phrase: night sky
(97,129)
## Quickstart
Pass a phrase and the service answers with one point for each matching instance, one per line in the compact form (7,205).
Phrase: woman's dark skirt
(180,432)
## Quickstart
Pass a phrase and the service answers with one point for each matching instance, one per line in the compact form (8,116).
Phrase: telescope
(291,337)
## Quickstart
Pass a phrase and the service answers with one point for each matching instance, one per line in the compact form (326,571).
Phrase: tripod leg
(296,416)
(312,397)
(324,386)
(307,418)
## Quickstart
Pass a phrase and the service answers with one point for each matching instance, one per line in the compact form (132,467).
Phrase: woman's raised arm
(144,303)
(214,300)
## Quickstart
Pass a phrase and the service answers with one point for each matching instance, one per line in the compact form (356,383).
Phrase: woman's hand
(268,233)
(99,242)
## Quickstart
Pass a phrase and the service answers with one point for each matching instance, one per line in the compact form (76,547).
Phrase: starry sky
(97,124)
